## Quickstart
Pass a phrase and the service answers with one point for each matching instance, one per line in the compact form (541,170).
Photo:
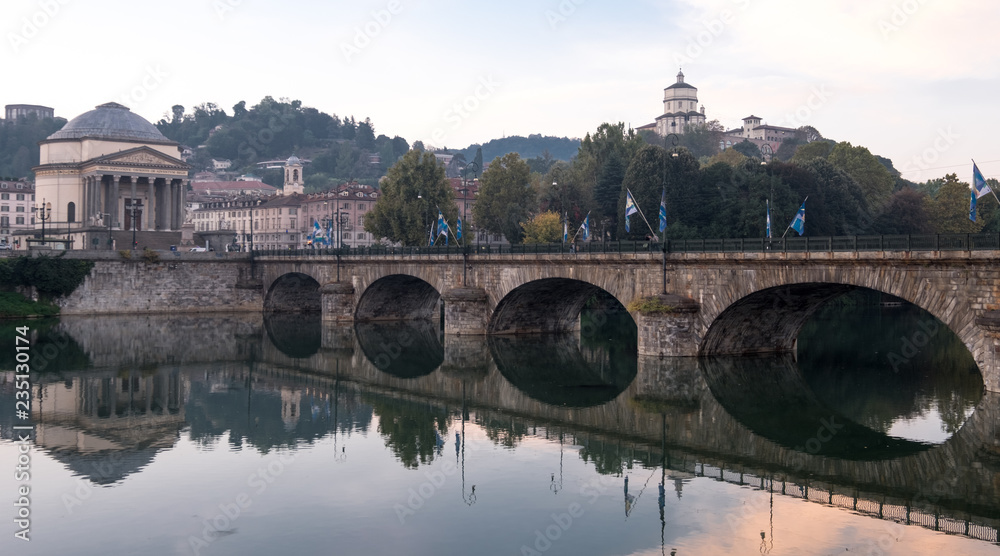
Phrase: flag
(663,210)
(317,235)
(630,209)
(442,226)
(768,219)
(972,205)
(586,227)
(799,222)
(979,182)
(458,228)
(565,230)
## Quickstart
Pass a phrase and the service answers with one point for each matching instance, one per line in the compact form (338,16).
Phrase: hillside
(532,146)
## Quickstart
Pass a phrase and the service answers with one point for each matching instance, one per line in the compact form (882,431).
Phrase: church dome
(110,121)
(292,160)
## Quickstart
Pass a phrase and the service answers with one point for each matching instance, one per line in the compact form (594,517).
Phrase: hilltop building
(15,111)
(680,109)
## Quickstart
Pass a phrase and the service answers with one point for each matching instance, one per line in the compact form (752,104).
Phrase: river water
(236,434)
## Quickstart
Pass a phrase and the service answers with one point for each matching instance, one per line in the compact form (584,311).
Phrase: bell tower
(293,177)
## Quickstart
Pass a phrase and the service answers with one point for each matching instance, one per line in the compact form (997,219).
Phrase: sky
(912,80)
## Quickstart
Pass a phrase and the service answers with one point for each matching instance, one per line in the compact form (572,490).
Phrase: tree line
(710,193)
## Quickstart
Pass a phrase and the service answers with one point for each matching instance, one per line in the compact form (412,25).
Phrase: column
(83,213)
(114,203)
(181,203)
(133,179)
(669,332)
(177,222)
(465,311)
(150,189)
(338,302)
(168,215)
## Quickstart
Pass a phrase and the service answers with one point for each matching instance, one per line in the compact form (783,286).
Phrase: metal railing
(935,242)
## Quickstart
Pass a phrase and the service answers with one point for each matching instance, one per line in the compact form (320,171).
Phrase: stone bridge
(720,303)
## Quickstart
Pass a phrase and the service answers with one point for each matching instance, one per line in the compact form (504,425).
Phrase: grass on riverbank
(15,305)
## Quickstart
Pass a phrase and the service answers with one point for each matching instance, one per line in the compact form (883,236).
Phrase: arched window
(295,176)
(71,213)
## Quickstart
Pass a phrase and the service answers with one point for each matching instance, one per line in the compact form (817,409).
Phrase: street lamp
(43,213)
(132,210)
(673,139)
(421,197)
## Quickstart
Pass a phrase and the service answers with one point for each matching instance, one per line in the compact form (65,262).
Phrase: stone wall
(170,286)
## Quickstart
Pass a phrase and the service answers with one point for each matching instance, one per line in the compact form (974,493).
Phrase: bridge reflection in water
(752,422)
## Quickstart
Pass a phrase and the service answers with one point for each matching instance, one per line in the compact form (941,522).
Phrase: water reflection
(526,418)
(889,367)
(769,396)
(297,335)
(402,349)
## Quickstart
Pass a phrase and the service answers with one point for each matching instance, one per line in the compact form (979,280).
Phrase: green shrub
(52,276)
(649,306)
(125,253)
(150,256)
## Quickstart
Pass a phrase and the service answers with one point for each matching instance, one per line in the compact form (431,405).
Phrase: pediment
(141,156)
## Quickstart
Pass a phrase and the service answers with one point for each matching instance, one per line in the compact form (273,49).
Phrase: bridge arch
(396,297)
(547,305)
(293,292)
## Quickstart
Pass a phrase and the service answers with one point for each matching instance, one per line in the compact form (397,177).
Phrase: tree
(411,195)
(505,197)
(651,169)
(702,140)
(949,210)
(748,149)
(816,149)
(178,113)
(609,187)
(905,213)
(543,228)
(876,181)
(365,136)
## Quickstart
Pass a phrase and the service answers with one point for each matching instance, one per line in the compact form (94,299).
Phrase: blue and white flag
(663,210)
(586,227)
(799,222)
(458,228)
(318,237)
(972,205)
(769,219)
(565,230)
(442,227)
(979,182)
(630,209)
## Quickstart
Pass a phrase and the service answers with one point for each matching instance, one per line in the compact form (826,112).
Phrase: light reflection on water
(161,426)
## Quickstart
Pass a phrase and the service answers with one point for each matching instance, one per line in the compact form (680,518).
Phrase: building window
(71,213)
(5,221)
(5,196)
(291,211)
(20,220)
(5,208)
(19,209)
(20,196)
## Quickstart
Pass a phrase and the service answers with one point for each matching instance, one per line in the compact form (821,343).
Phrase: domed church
(110,173)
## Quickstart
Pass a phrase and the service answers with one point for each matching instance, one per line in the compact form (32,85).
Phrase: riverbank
(15,305)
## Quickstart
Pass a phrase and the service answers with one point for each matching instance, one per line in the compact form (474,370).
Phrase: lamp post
(673,138)
(132,210)
(421,197)
(43,213)
(103,214)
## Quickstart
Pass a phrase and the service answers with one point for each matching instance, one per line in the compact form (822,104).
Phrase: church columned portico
(111,170)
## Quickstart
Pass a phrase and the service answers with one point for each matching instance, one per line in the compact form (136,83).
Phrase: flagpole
(793,219)
(580,227)
(984,180)
(638,208)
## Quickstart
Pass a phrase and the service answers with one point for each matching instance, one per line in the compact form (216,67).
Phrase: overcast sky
(914,80)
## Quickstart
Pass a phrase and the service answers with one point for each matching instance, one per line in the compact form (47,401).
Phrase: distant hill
(559,148)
